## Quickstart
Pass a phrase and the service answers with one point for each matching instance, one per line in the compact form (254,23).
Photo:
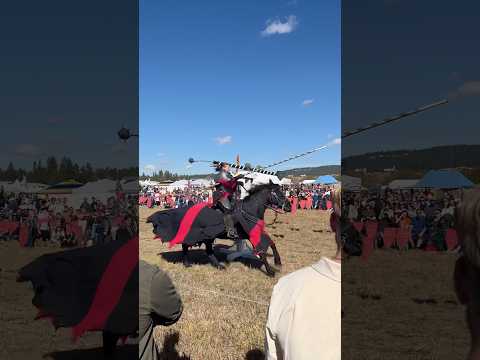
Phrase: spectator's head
(467,269)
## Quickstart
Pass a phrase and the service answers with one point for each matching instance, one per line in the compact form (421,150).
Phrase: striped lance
(394,118)
(242,167)
(263,169)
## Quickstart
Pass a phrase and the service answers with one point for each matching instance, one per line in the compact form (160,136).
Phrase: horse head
(277,198)
(270,195)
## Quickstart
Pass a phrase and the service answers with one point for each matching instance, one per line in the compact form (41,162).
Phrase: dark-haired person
(304,317)
(160,304)
(467,268)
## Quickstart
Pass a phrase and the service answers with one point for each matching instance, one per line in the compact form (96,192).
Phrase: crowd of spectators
(153,196)
(426,215)
(307,197)
(48,220)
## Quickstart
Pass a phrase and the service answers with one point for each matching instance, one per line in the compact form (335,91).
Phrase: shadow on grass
(255,354)
(168,350)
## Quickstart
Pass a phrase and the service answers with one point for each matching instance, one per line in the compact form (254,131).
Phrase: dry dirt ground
(225,311)
(402,305)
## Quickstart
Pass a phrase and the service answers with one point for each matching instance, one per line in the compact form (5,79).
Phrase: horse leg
(186,261)
(109,344)
(276,254)
(211,255)
(268,268)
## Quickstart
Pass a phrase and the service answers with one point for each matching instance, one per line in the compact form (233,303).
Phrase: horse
(209,225)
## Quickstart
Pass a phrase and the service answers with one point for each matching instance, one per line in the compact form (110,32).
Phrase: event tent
(285,181)
(308,182)
(179,184)
(325,180)
(130,186)
(62,188)
(444,179)
(22,186)
(101,190)
(148,182)
(201,182)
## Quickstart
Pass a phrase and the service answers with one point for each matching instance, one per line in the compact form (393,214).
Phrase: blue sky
(399,55)
(257,78)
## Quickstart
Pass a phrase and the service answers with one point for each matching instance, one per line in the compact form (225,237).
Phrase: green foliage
(54,172)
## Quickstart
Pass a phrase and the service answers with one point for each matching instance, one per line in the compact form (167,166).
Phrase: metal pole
(347,134)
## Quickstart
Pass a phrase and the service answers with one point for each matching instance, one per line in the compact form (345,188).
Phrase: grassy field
(225,311)
(402,305)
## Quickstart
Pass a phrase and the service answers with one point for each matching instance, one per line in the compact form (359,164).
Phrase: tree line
(54,171)
(164,176)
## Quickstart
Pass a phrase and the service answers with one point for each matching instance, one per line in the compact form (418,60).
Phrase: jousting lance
(347,134)
(263,169)
(232,165)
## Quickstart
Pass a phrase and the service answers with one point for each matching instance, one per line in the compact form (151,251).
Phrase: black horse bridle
(272,197)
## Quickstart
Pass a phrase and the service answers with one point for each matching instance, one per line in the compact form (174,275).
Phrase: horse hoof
(218,266)
(187,264)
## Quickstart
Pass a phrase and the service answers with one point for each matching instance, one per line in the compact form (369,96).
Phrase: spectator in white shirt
(304,317)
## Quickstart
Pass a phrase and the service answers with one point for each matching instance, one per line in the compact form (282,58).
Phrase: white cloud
(160,154)
(307,102)
(279,27)
(222,140)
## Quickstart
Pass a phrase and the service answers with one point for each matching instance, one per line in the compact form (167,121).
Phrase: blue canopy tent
(444,179)
(325,180)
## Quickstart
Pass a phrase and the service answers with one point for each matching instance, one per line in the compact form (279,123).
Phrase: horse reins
(253,219)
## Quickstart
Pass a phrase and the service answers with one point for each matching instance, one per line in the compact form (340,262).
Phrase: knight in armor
(225,194)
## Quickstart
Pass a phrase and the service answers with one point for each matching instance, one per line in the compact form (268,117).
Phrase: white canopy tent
(148,182)
(285,181)
(202,182)
(101,190)
(22,186)
(403,184)
(130,187)
(178,185)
